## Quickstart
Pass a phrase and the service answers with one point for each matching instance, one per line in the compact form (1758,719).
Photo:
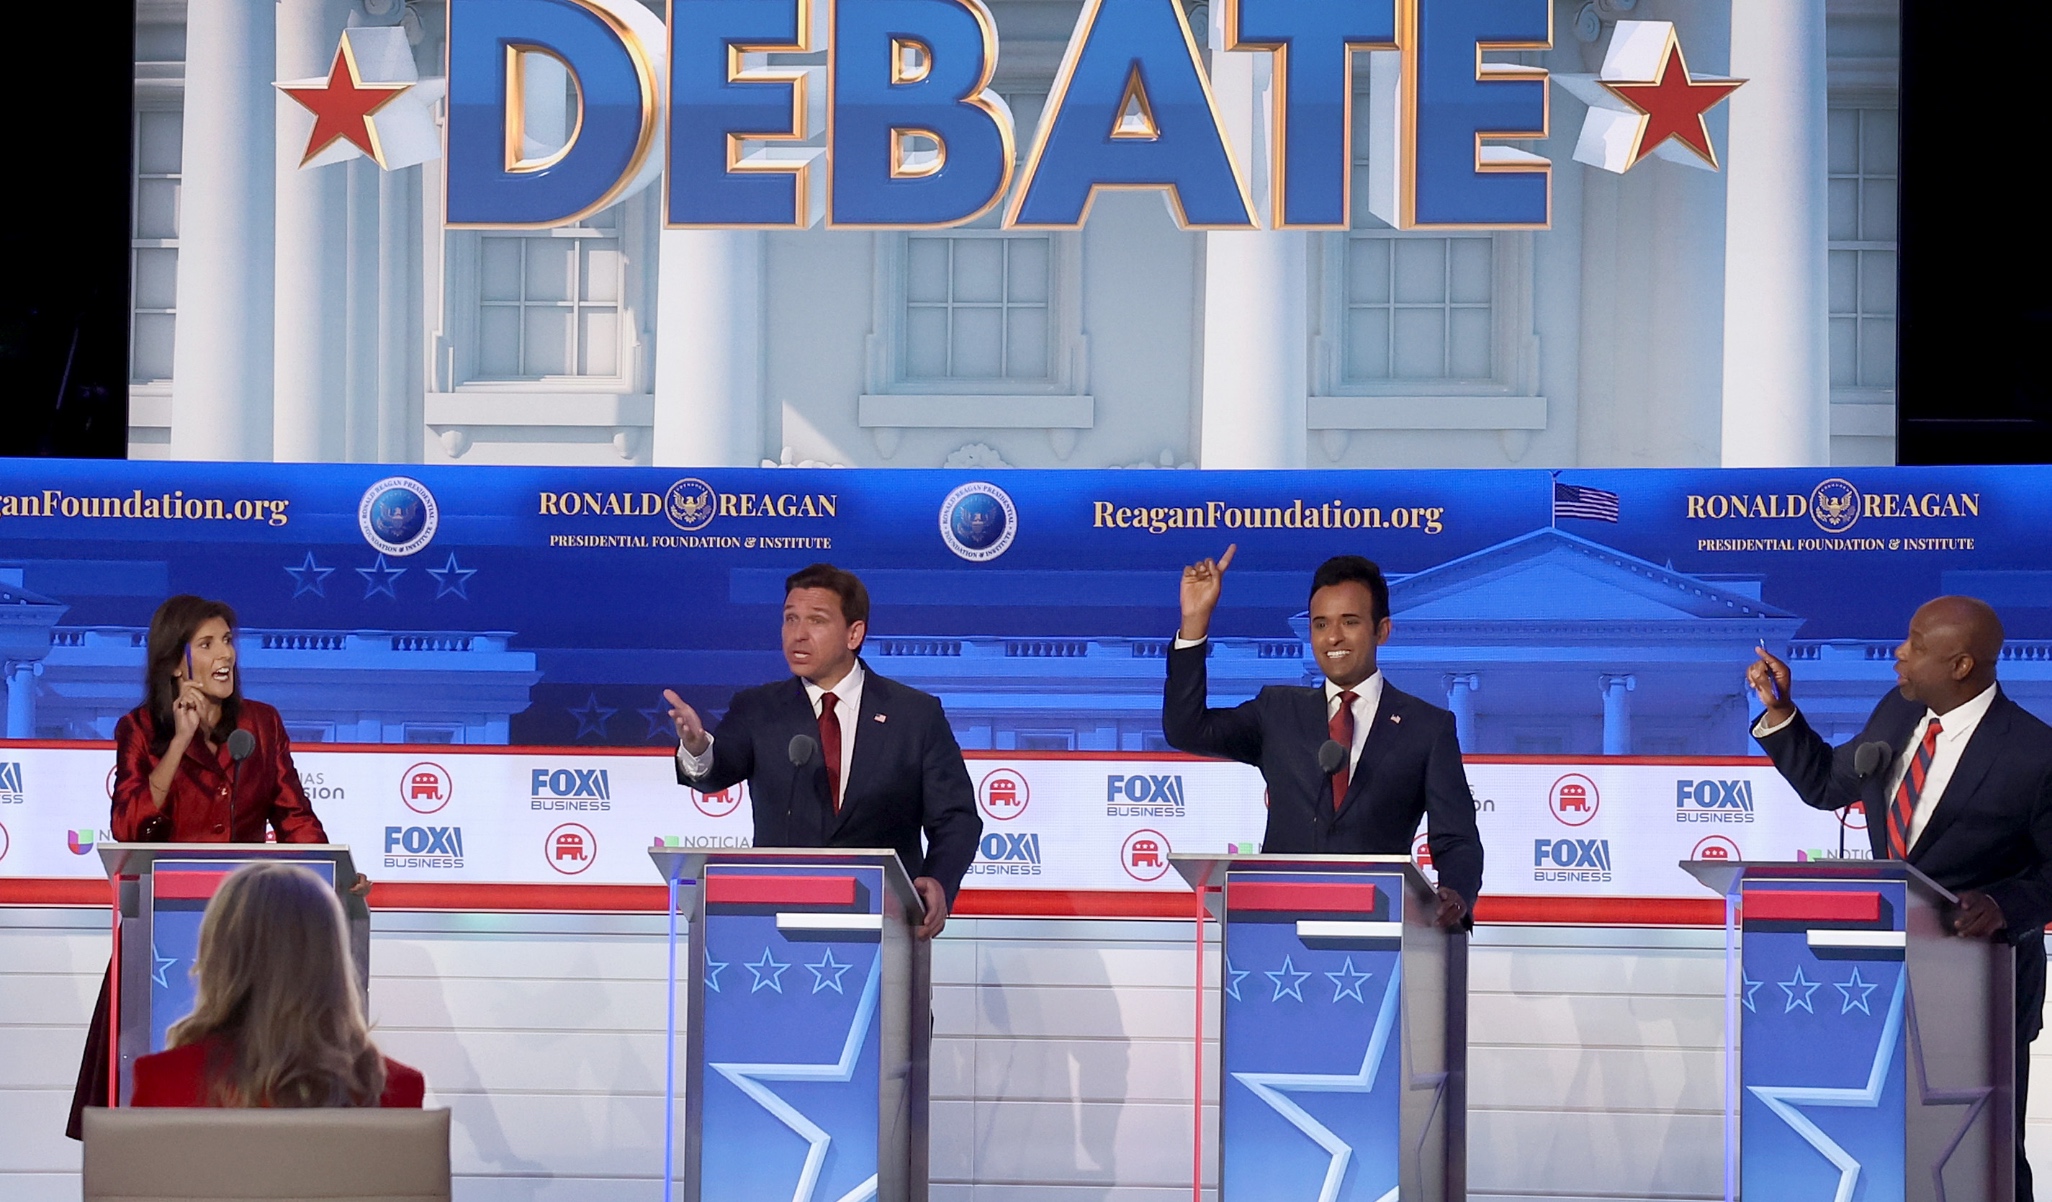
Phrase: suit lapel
(870,727)
(1975,759)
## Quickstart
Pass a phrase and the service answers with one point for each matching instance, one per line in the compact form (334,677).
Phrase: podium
(160,892)
(808,1017)
(1342,1029)
(1869,1052)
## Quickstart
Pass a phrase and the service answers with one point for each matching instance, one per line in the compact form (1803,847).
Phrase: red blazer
(269,791)
(179,1078)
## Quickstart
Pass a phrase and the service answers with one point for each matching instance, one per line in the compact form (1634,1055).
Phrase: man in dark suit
(1964,791)
(882,767)
(1403,761)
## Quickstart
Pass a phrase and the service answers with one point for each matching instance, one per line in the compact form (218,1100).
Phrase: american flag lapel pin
(1396,717)
(879,717)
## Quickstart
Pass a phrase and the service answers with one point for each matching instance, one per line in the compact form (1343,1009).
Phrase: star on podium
(1645,101)
(342,107)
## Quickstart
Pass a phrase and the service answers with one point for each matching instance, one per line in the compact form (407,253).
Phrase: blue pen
(188,661)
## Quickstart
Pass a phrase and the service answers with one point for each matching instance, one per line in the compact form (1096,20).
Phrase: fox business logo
(1140,796)
(1007,853)
(569,789)
(423,847)
(1713,801)
(11,791)
(1585,860)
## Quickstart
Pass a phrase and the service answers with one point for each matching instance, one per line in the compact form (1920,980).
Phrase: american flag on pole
(1574,501)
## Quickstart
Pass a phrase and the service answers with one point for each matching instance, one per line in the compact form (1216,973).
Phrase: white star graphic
(712,971)
(1288,981)
(1272,1088)
(1783,1099)
(1233,978)
(1752,987)
(1808,987)
(749,1078)
(163,964)
(827,974)
(1347,981)
(1846,988)
(768,973)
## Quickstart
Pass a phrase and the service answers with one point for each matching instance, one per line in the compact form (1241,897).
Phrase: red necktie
(830,746)
(1341,727)
(1904,806)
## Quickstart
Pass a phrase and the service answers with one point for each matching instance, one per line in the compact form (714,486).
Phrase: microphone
(800,752)
(240,744)
(1332,757)
(1868,758)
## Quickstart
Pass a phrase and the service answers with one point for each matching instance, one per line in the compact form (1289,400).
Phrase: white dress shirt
(1367,699)
(847,707)
(1957,726)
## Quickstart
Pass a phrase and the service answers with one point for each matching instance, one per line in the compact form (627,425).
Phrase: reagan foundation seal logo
(1835,505)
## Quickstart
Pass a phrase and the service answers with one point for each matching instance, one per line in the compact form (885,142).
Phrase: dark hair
(845,585)
(171,629)
(1342,568)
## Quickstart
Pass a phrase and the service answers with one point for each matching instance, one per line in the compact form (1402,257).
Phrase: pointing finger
(1225,561)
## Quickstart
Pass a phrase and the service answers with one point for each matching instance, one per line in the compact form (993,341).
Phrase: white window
(549,302)
(1862,232)
(153,243)
(978,308)
(1419,308)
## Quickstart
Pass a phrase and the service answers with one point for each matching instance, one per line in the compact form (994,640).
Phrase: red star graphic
(342,107)
(1673,105)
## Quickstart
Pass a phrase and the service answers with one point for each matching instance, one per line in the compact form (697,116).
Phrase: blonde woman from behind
(278,1022)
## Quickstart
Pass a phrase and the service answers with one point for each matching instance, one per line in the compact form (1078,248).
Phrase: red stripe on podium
(726,889)
(188,886)
(1304,897)
(1812,905)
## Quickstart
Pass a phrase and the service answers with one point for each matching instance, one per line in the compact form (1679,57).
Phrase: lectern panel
(1311,1035)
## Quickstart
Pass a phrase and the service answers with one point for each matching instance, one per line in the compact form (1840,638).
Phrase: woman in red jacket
(277,1021)
(175,780)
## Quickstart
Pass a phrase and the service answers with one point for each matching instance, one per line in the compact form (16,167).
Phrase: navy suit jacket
(906,777)
(1992,830)
(1410,768)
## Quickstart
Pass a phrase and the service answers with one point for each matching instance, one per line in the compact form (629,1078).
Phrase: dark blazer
(1992,830)
(906,776)
(1410,768)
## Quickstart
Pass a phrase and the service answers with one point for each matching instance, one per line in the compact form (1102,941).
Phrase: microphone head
(240,744)
(801,750)
(1332,757)
(1869,757)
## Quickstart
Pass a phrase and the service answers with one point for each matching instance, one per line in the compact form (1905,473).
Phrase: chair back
(167,1154)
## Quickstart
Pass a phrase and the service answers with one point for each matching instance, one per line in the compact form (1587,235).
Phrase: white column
(1617,713)
(1256,304)
(1777,383)
(399,317)
(21,698)
(361,345)
(312,273)
(709,348)
(221,368)
(1460,698)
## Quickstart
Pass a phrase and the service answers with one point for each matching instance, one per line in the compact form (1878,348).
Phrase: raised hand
(1772,684)
(690,731)
(1201,584)
(188,710)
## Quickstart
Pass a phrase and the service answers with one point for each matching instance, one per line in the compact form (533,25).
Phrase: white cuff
(1761,730)
(695,766)
(1182,642)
